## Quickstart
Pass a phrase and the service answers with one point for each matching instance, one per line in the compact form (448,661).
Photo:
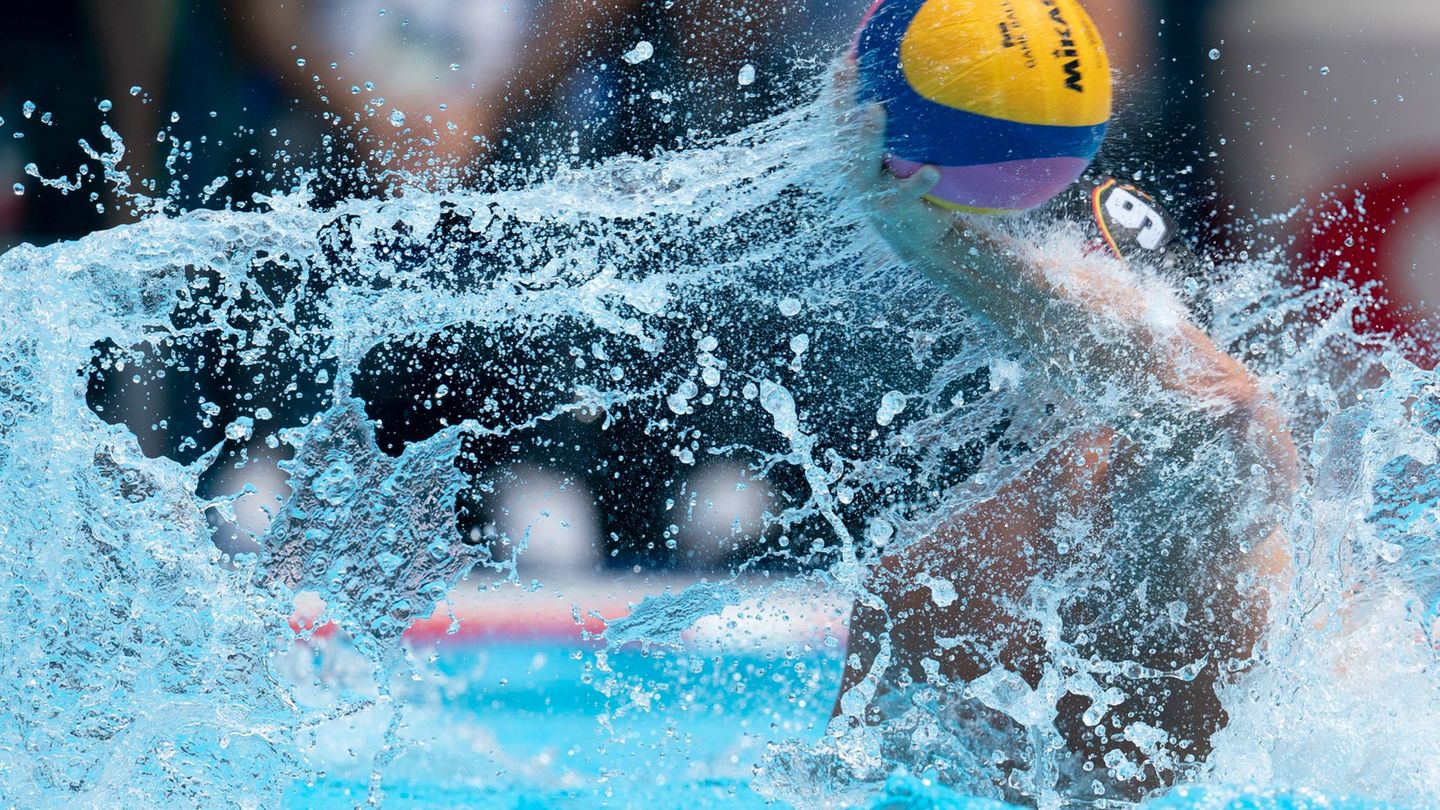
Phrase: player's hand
(896,206)
(978,268)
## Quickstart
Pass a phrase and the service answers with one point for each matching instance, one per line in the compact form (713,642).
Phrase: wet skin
(1174,506)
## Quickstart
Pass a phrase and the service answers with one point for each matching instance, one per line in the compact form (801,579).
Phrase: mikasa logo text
(1067,49)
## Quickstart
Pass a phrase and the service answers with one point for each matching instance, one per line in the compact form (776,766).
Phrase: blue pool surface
(677,728)
(525,727)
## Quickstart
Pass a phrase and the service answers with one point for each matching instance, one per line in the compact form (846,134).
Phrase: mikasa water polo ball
(1008,98)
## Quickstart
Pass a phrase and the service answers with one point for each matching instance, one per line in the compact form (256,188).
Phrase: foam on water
(721,301)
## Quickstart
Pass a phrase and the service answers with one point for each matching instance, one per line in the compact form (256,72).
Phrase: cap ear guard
(1134,228)
(1130,221)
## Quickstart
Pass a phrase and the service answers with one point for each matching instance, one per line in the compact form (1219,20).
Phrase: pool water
(536,725)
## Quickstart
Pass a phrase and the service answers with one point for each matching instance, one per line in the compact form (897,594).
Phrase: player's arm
(1092,326)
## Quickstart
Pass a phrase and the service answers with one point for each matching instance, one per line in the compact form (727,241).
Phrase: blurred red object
(1380,239)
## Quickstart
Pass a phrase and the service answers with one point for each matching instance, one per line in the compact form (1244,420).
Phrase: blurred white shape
(257,490)
(1334,95)
(423,48)
(1322,92)
(548,522)
(724,508)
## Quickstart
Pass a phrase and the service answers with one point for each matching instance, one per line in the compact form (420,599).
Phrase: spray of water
(727,301)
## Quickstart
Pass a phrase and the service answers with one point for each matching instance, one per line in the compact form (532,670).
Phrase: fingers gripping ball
(1009,98)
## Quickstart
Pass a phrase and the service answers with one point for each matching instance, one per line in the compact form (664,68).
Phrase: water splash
(724,302)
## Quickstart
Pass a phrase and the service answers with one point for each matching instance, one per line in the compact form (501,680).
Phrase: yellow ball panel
(1029,61)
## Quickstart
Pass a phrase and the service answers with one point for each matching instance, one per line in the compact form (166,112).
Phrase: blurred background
(1230,107)
(1237,114)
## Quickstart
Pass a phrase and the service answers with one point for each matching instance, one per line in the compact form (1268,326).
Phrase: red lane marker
(473,628)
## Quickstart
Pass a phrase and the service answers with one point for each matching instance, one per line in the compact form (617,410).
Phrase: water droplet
(300,62)
(891,405)
(1325,70)
(104,105)
(643,50)
(942,592)
(28,108)
(397,118)
(454,66)
(135,90)
(1214,54)
(1094,714)
(241,428)
(679,402)
(19,189)
(746,76)
(879,531)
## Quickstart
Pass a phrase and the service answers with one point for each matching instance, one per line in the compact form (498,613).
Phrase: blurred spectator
(385,67)
(586,79)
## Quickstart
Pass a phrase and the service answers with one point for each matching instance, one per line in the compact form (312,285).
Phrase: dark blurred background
(242,80)
(1228,110)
